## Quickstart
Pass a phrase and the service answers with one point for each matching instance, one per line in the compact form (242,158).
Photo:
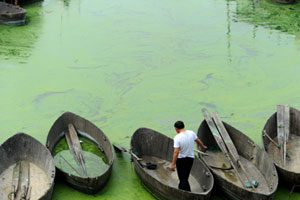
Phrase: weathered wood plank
(281,131)
(75,147)
(69,141)
(224,134)
(25,178)
(216,134)
(214,131)
(280,125)
(286,122)
(15,180)
(232,151)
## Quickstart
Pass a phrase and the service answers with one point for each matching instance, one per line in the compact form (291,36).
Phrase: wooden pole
(243,169)
(119,149)
(266,135)
(135,156)
(205,154)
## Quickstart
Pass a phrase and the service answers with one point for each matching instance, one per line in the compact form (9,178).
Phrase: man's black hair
(179,125)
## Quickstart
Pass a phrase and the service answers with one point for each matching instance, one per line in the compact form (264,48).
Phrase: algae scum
(95,159)
(125,64)
(268,13)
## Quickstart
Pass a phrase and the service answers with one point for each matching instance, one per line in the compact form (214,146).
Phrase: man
(183,155)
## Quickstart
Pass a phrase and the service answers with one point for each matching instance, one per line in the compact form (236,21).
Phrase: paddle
(219,140)
(283,119)
(230,146)
(75,147)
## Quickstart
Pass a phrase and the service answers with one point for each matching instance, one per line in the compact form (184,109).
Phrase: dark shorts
(184,166)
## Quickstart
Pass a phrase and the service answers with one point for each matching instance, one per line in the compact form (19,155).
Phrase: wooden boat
(82,182)
(12,15)
(152,146)
(258,166)
(26,169)
(290,172)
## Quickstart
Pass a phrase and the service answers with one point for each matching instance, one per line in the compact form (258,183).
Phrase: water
(96,162)
(127,64)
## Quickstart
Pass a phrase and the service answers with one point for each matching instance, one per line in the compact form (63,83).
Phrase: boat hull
(89,185)
(285,175)
(147,142)
(12,15)
(22,147)
(251,155)
(285,2)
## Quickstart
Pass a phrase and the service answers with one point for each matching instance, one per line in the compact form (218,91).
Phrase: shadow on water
(17,42)
(270,14)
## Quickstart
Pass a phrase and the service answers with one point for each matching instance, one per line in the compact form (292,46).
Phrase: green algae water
(284,18)
(131,63)
(96,162)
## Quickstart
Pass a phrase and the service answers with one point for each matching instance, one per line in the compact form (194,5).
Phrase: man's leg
(184,166)
(189,165)
(180,172)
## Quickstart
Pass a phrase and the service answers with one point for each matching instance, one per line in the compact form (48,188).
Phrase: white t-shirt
(185,142)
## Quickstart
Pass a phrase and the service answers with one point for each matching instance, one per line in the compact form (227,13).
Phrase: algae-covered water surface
(96,162)
(131,63)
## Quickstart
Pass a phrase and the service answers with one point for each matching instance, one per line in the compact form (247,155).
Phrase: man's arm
(199,142)
(175,156)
